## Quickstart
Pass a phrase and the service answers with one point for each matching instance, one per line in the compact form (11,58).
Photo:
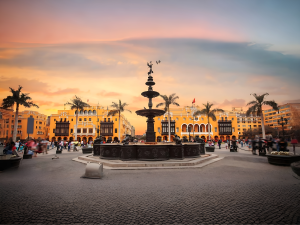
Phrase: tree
(17,98)
(171,100)
(210,113)
(119,108)
(77,104)
(256,108)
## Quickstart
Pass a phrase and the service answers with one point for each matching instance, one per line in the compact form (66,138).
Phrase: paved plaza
(241,188)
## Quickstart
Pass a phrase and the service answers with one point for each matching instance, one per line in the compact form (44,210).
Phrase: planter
(210,149)
(284,160)
(10,163)
(296,167)
(88,150)
(26,156)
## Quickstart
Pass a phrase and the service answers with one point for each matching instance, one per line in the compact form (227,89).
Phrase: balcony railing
(166,133)
(166,121)
(61,134)
(86,134)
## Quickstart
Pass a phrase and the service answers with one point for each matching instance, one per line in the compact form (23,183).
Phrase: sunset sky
(216,51)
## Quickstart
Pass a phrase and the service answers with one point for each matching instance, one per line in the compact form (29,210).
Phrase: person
(242,143)
(17,144)
(226,144)
(219,143)
(61,145)
(228,141)
(82,143)
(69,146)
(294,141)
(52,143)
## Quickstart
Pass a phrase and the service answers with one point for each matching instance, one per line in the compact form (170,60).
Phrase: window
(201,118)
(215,129)
(183,118)
(19,121)
(239,125)
(176,118)
(40,127)
(232,119)
(35,127)
(80,119)
(158,129)
(84,119)
(104,119)
(54,119)
(71,119)
(79,130)
(12,126)
(90,119)
(222,118)
(177,129)
(40,122)
(190,118)
(225,118)
(116,130)
(19,126)
(84,130)
(244,125)
(12,115)
(233,129)
(90,130)
(239,129)
(12,121)
(108,119)
(259,125)
(158,118)
(53,130)
(71,130)
(166,118)
(117,119)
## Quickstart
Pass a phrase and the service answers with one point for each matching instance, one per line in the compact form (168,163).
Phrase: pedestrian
(69,146)
(294,141)
(226,144)
(219,143)
(242,143)
(17,144)
(52,143)
(228,141)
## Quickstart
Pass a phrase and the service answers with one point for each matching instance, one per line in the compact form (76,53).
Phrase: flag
(87,100)
(193,101)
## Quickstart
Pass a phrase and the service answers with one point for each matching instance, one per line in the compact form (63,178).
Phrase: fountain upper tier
(150,94)
(150,112)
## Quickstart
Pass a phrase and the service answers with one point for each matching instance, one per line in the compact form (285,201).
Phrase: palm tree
(210,113)
(17,98)
(171,100)
(118,108)
(77,104)
(256,108)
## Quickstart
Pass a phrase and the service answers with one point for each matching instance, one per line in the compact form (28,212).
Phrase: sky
(216,51)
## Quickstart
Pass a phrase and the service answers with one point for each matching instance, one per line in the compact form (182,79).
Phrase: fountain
(150,150)
(150,113)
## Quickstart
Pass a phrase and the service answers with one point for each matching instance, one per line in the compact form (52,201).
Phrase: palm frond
(212,116)
(252,110)
(273,104)
(113,112)
(252,103)
(160,104)
(217,110)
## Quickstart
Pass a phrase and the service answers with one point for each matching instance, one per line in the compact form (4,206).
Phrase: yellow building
(229,124)
(289,111)
(7,123)
(63,125)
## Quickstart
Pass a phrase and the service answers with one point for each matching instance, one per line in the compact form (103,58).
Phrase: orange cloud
(108,94)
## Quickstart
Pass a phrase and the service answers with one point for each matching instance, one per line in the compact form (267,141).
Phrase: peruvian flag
(193,101)
(87,100)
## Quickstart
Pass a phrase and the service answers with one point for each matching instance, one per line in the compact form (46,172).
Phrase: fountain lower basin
(157,152)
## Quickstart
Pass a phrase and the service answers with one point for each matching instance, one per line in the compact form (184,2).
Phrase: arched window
(94,112)
(81,112)
(85,112)
(90,112)
(75,112)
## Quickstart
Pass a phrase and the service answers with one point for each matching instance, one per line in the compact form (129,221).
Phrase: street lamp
(282,121)
(189,128)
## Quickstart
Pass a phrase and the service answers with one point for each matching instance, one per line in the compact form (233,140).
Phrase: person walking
(69,146)
(219,143)
(294,141)
(242,143)
(228,141)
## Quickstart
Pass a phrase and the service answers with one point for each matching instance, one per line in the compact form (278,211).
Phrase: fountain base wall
(150,152)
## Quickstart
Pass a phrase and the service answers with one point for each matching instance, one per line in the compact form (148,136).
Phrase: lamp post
(189,128)
(282,121)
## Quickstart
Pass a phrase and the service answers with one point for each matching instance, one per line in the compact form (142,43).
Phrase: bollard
(93,171)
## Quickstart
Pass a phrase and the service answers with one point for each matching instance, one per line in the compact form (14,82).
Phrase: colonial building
(229,124)
(289,111)
(91,120)
(7,123)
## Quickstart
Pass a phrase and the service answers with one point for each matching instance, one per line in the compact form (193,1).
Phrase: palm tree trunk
(263,126)
(76,126)
(193,127)
(169,124)
(208,128)
(16,124)
(119,127)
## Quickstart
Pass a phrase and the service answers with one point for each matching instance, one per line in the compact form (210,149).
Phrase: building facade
(228,125)
(289,111)
(7,123)
(91,120)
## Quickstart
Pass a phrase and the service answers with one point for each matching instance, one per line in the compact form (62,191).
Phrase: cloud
(290,101)
(108,94)
(233,103)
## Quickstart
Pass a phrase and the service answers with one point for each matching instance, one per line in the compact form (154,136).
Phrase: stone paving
(240,189)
